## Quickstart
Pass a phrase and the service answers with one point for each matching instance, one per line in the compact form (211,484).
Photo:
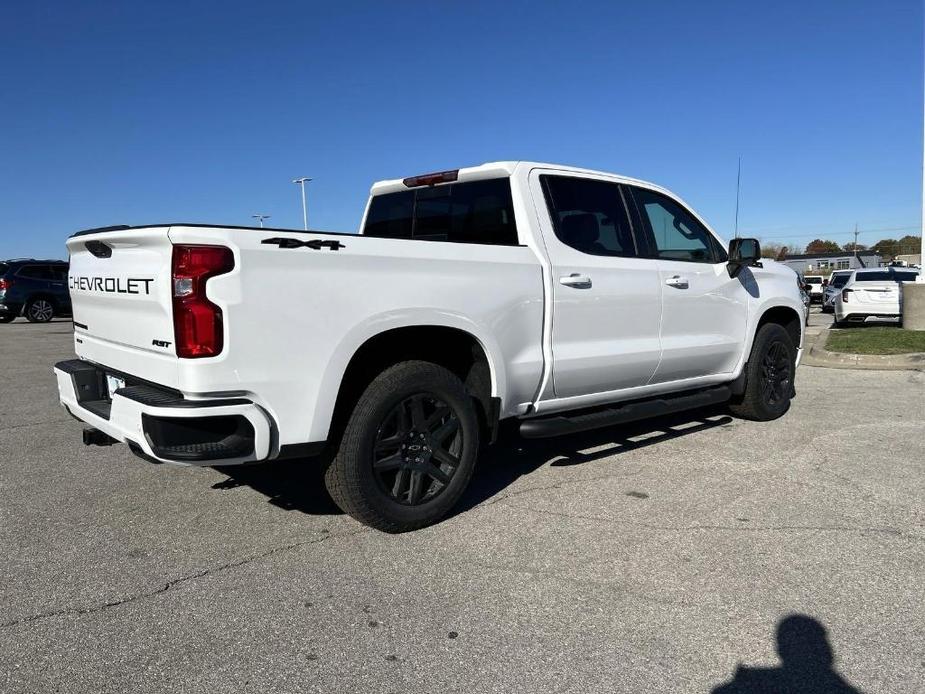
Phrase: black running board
(585,420)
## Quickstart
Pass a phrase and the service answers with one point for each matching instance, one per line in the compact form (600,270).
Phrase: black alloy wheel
(769,376)
(776,371)
(408,449)
(417,447)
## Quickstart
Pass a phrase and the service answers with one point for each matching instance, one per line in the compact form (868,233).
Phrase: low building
(826,262)
(909,259)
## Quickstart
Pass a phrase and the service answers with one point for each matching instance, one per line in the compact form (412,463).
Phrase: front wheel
(39,310)
(408,450)
(769,376)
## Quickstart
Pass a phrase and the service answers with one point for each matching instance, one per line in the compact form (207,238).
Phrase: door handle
(576,281)
(677,281)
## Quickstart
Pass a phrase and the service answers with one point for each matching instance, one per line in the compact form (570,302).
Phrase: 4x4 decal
(314,244)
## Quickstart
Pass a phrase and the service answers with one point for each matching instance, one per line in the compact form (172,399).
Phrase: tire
(769,376)
(39,310)
(408,450)
(9,318)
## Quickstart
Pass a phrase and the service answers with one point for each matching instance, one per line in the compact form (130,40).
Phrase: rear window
(875,276)
(814,280)
(3,268)
(474,212)
(839,281)
(884,276)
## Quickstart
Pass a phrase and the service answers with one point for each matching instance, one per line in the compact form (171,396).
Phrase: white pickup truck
(564,298)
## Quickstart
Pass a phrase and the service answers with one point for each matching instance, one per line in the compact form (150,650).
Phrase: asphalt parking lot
(652,558)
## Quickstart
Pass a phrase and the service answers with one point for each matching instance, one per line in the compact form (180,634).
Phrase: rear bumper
(163,426)
(10,308)
(861,312)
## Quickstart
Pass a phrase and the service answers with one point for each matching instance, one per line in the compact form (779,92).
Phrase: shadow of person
(806,664)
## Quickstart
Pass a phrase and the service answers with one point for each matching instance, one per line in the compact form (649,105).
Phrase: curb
(818,355)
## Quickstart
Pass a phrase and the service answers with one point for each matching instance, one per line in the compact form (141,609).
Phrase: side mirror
(743,252)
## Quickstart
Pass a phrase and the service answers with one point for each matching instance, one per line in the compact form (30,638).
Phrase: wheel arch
(33,296)
(458,348)
(785,316)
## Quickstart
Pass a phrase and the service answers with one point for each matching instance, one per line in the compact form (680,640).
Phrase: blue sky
(130,112)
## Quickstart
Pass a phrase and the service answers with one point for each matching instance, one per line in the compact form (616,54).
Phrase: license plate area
(113,383)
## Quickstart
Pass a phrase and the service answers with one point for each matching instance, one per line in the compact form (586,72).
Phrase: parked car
(815,286)
(560,298)
(837,281)
(36,289)
(872,295)
(804,295)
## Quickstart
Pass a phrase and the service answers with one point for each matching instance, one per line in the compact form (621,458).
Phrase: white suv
(872,295)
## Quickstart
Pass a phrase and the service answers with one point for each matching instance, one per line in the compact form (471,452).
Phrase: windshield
(814,280)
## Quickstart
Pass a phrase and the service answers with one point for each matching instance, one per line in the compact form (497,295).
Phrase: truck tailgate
(121,296)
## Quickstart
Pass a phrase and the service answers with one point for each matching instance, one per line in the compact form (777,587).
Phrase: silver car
(837,280)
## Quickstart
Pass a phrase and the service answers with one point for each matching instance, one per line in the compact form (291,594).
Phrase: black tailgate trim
(156,397)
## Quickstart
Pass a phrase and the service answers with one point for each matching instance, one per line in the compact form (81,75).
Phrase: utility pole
(921,276)
(260,218)
(855,240)
(738,180)
(301,182)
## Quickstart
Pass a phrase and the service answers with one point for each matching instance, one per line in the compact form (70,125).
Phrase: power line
(835,233)
(797,228)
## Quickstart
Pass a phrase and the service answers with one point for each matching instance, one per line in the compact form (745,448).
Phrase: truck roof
(499,169)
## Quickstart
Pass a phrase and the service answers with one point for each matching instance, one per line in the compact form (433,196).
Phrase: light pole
(260,218)
(301,182)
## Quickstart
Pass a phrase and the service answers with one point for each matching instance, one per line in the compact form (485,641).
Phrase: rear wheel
(39,310)
(408,450)
(769,376)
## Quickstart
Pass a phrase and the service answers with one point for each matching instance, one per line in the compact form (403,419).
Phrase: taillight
(844,295)
(431,179)
(197,322)
(5,284)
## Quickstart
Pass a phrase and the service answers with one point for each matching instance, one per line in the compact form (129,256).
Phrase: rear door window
(673,232)
(589,215)
(34,272)
(474,212)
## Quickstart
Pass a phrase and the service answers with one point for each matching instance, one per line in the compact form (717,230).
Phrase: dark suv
(36,289)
